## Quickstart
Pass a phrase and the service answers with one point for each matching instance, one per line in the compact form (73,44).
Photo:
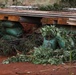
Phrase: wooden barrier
(9,17)
(54,20)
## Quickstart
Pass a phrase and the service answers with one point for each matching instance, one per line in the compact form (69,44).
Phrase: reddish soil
(32,69)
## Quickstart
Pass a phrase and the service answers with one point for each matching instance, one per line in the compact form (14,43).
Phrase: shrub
(6,48)
(42,55)
(28,43)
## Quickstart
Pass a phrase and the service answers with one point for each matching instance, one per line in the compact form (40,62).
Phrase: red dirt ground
(32,69)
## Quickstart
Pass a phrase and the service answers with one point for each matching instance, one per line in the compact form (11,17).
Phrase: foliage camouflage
(43,55)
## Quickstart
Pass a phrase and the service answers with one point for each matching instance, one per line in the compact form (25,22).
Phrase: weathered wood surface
(34,13)
(48,17)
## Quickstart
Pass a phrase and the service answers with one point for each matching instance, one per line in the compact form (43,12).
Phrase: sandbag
(8,24)
(17,32)
(50,43)
(60,41)
(8,37)
(2,31)
(1,34)
(17,24)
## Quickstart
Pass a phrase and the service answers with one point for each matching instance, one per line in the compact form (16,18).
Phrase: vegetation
(55,7)
(49,56)
(60,6)
(6,48)
(62,36)
(37,54)
(17,58)
(43,55)
(69,3)
(24,45)
(28,43)
(16,2)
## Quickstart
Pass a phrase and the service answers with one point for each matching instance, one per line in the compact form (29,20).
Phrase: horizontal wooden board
(9,17)
(62,21)
(13,18)
(1,17)
(48,20)
(54,20)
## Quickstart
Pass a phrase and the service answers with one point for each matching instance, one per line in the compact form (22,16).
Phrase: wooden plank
(9,17)
(50,16)
(49,20)
(52,20)
(34,13)
(13,18)
(70,22)
(1,17)
(44,20)
(62,21)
